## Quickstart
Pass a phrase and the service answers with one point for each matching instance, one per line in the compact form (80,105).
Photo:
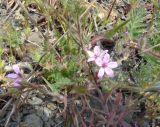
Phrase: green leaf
(61,83)
(1,51)
(113,31)
(50,85)
(136,26)
(155,88)
(154,40)
(79,90)
(149,57)
(36,56)
(73,7)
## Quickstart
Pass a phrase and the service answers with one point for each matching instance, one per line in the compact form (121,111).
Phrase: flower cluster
(16,75)
(103,60)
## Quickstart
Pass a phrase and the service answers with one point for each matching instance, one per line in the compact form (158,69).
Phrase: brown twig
(26,12)
(10,13)
(10,115)
(2,111)
(111,9)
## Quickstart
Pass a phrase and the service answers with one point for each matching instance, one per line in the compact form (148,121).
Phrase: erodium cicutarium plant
(103,60)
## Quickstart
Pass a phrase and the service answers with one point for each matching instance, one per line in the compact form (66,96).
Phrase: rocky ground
(38,110)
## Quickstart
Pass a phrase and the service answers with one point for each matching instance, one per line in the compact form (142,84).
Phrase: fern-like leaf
(136,26)
(154,39)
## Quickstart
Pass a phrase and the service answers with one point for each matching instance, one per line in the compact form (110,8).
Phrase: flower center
(96,56)
(104,65)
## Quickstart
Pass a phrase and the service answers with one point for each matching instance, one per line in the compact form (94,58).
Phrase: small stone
(33,120)
(39,111)
(13,124)
(27,109)
(47,124)
(51,106)
(32,111)
(35,101)
(35,37)
(47,114)
(52,122)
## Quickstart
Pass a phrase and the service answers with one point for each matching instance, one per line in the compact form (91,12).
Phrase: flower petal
(106,51)
(112,64)
(12,75)
(16,68)
(91,59)
(106,58)
(103,53)
(91,54)
(97,50)
(109,72)
(16,84)
(99,61)
(100,73)
(18,80)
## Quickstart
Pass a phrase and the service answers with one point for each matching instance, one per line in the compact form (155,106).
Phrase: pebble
(39,111)
(47,124)
(36,37)
(33,120)
(35,101)
(51,106)
(47,114)
(13,124)
(52,122)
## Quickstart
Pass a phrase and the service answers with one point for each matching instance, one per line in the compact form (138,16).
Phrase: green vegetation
(57,53)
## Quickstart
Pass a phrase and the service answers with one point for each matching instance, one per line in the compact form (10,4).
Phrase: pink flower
(106,66)
(16,76)
(97,52)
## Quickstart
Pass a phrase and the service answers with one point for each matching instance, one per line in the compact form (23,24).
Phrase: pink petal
(91,54)
(99,61)
(97,50)
(100,73)
(109,72)
(16,84)
(106,58)
(16,68)
(103,53)
(18,80)
(91,59)
(12,75)
(112,64)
